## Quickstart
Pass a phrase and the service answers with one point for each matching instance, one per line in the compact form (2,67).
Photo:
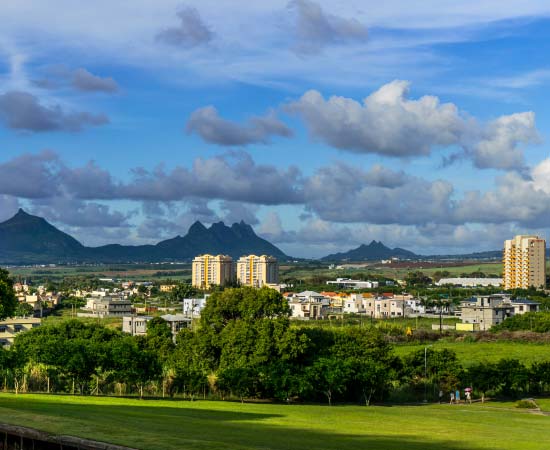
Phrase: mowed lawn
(181,425)
(470,353)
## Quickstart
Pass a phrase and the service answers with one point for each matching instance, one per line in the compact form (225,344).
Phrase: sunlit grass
(158,424)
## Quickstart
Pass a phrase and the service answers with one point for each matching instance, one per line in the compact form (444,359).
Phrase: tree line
(244,347)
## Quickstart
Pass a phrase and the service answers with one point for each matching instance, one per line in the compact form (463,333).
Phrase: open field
(300,271)
(135,272)
(470,353)
(204,425)
(398,272)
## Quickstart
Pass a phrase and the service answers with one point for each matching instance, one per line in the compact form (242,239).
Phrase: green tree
(331,376)
(133,363)
(483,378)
(513,376)
(8,301)
(24,309)
(181,291)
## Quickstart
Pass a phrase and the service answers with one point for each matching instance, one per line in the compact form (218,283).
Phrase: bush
(526,403)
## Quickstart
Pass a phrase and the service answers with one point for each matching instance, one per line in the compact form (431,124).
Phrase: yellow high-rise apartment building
(211,270)
(257,271)
(524,262)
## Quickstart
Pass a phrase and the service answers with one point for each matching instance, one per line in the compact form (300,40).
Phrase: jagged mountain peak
(31,239)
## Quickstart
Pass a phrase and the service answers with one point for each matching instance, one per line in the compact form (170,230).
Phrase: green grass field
(206,425)
(470,353)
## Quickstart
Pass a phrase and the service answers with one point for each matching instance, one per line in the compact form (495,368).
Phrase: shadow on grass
(148,427)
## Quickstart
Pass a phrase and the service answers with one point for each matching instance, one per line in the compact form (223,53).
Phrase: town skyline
(323,127)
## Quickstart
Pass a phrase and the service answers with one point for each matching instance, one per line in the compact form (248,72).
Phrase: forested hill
(28,239)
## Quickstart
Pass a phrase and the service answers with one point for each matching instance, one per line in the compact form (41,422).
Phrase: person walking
(440,396)
(469,397)
(452,398)
(457,396)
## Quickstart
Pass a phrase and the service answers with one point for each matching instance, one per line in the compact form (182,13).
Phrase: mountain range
(377,251)
(28,239)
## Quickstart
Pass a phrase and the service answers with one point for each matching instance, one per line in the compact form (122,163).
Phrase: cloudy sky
(324,124)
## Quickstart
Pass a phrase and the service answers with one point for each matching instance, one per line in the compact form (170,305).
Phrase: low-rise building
(308,305)
(137,325)
(523,305)
(192,307)
(167,287)
(470,282)
(107,307)
(9,328)
(177,322)
(488,310)
(348,283)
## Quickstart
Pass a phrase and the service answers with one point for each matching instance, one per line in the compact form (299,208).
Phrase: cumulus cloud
(88,182)
(499,146)
(83,80)
(30,175)
(341,193)
(237,211)
(387,122)
(23,111)
(233,177)
(514,199)
(207,123)
(337,194)
(315,29)
(8,206)
(191,31)
(57,76)
(79,213)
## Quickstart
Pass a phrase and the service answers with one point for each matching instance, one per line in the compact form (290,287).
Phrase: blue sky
(323,124)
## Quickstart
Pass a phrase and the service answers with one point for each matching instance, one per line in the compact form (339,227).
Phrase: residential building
(107,307)
(137,325)
(167,287)
(9,328)
(308,305)
(348,283)
(488,310)
(177,322)
(192,307)
(523,305)
(470,282)
(257,271)
(385,307)
(524,261)
(355,304)
(209,270)
(413,306)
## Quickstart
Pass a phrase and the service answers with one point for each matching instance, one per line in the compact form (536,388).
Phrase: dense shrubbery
(244,347)
(537,322)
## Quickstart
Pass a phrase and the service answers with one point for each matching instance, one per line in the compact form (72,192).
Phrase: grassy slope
(471,353)
(217,425)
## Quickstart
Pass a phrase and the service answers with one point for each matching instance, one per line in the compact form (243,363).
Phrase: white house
(192,307)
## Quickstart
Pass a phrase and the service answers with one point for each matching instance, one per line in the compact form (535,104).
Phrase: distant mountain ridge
(28,239)
(377,250)
(372,252)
